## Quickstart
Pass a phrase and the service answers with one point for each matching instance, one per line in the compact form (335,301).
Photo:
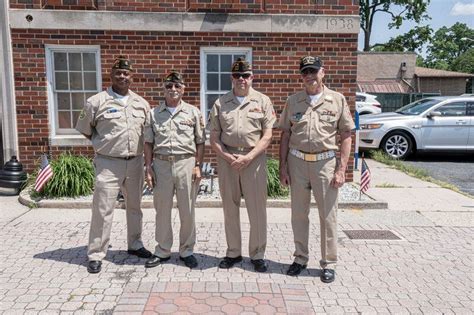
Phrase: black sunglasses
(243,75)
(309,71)
(169,86)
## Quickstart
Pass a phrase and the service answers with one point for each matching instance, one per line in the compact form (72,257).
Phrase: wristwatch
(197,164)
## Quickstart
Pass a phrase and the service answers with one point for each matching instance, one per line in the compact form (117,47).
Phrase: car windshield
(417,107)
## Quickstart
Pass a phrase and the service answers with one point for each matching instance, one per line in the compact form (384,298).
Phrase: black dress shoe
(141,252)
(94,266)
(295,269)
(328,275)
(189,261)
(259,265)
(229,262)
(155,261)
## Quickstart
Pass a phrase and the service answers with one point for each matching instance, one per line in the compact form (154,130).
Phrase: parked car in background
(367,104)
(429,124)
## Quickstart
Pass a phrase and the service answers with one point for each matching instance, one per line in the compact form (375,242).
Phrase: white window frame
(75,138)
(247,51)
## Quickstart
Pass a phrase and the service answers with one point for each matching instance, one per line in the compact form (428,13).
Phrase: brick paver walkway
(429,271)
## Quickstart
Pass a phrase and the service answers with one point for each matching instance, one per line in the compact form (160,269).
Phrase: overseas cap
(121,62)
(310,62)
(174,77)
(241,65)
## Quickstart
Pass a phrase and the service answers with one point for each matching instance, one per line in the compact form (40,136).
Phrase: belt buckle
(240,149)
(310,157)
(170,158)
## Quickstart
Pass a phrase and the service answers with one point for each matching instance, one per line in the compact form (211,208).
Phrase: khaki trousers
(174,177)
(317,176)
(251,183)
(113,175)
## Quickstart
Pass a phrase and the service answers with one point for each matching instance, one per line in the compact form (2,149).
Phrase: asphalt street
(455,169)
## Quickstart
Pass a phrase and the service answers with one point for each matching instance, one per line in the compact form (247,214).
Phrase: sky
(442,13)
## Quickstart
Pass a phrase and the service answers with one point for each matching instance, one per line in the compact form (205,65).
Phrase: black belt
(239,149)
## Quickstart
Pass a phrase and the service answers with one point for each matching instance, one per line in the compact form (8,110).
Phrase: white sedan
(429,124)
(367,104)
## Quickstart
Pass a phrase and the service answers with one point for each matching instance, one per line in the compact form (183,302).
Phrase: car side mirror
(434,114)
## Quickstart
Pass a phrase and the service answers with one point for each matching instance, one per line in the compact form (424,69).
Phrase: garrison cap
(122,62)
(241,65)
(310,62)
(174,77)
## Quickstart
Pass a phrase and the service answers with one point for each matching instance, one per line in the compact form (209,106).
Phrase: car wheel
(397,145)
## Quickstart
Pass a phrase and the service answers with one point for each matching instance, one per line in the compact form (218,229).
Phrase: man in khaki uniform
(114,121)
(310,123)
(241,130)
(175,137)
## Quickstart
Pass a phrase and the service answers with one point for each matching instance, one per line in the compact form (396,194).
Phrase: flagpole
(360,184)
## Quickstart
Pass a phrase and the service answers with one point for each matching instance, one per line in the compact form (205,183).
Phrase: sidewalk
(428,270)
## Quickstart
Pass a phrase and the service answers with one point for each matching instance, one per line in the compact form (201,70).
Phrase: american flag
(364,177)
(45,173)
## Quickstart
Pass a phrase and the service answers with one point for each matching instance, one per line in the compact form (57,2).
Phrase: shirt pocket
(227,121)
(328,123)
(299,125)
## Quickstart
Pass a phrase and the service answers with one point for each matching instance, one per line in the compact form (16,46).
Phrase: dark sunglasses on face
(243,75)
(169,86)
(309,71)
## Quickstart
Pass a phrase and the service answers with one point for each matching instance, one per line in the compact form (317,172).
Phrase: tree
(447,45)
(465,62)
(413,40)
(400,10)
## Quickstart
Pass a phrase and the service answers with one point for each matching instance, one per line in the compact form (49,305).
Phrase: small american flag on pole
(45,174)
(364,177)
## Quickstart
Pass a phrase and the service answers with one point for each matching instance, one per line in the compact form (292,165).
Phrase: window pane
(90,81)
(212,82)
(239,56)
(61,81)
(211,99)
(454,109)
(64,119)
(75,117)
(89,61)
(226,84)
(75,80)
(212,63)
(226,62)
(77,100)
(60,61)
(75,62)
(88,95)
(64,101)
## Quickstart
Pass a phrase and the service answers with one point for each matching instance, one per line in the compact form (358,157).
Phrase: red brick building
(61,52)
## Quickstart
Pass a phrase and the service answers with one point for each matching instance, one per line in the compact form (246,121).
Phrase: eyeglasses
(245,76)
(169,86)
(308,71)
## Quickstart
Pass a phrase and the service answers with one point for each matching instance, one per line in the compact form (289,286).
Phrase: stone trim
(184,22)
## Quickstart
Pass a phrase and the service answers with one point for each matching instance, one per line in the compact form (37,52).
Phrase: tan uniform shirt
(314,126)
(176,133)
(241,125)
(116,129)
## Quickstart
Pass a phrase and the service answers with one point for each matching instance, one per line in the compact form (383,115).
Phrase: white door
(450,131)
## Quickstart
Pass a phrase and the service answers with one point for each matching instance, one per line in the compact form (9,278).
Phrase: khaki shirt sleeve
(269,118)
(214,116)
(284,123)
(199,129)
(346,123)
(86,123)
(149,134)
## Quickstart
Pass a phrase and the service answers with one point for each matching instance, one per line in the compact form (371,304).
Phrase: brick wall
(222,6)
(275,59)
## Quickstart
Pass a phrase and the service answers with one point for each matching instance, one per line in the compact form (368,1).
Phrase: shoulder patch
(82,115)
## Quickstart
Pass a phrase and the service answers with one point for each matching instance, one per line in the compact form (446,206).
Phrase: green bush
(274,188)
(73,176)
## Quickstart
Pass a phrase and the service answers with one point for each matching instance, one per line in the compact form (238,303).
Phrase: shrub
(73,176)
(275,189)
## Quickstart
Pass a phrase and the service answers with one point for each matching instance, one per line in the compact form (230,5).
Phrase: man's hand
(338,179)
(240,162)
(284,176)
(196,176)
(150,176)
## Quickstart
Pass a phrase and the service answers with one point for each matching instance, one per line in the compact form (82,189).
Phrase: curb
(26,200)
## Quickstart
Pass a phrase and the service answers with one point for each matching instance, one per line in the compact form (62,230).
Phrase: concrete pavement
(427,270)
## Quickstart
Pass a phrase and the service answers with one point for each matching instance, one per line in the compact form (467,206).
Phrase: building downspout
(7,87)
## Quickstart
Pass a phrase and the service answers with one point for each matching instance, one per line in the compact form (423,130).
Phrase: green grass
(73,176)
(274,188)
(382,157)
